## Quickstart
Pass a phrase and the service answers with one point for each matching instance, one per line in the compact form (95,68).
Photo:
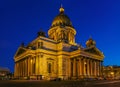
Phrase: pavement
(113,83)
(38,83)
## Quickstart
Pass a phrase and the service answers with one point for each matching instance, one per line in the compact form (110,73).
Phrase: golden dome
(61,19)
(90,42)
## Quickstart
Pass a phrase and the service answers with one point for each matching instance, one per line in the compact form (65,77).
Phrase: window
(33,68)
(71,68)
(40,44)
(49,67)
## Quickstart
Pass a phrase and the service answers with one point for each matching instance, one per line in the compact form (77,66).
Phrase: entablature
(86,54)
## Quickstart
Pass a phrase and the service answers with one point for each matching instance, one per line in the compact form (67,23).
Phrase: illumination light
(31,60)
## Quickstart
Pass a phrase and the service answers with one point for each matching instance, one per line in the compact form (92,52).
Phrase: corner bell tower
(61,29)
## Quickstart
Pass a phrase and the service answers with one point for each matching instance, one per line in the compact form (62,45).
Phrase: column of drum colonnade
(84,67)
(24,67)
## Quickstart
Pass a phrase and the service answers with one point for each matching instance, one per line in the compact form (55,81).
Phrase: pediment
(20,51)
(94,50)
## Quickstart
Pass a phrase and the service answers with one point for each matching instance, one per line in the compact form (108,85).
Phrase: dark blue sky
(20,20)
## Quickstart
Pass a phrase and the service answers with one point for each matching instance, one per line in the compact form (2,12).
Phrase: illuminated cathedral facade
(58,55)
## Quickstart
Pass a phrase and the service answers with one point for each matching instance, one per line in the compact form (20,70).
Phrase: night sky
(20,20)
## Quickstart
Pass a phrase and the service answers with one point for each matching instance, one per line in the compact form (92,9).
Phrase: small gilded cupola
(41,33)
(90,42)
(61,29)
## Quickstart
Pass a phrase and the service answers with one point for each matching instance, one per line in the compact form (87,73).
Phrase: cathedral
(58,55)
